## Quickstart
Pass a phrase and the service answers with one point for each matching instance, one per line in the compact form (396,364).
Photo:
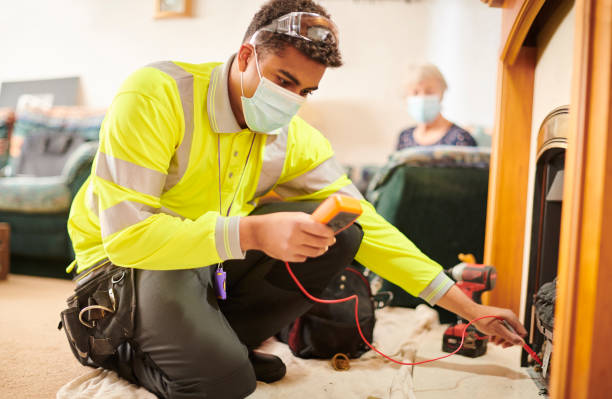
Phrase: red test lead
(330,301)
(339,212)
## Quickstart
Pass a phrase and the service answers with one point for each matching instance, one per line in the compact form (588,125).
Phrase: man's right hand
(288,236)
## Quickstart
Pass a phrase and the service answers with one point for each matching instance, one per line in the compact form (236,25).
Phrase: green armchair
(50,158)
(437,197)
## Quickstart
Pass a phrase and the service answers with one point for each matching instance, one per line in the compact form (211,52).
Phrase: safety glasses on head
(305,25)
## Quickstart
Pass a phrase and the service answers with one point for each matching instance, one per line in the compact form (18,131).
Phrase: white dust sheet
(399,333)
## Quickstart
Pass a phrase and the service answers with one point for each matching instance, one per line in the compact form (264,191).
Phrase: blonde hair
(416,73)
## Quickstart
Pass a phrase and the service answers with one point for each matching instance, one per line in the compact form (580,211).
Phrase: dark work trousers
(187,344)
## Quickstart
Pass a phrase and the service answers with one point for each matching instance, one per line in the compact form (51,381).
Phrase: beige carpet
(35,361)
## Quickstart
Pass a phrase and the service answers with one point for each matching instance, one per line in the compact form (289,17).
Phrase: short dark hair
(325,53)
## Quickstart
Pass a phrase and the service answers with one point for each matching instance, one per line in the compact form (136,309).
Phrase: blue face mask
(423,109)
(271,107)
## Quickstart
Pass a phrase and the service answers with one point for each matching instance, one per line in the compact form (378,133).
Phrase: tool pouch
(328,329)
(100,314)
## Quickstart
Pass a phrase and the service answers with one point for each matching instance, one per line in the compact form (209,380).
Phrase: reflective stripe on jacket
(152,200)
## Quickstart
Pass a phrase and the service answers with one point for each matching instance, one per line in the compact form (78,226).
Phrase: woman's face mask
(271,106)
(423,109)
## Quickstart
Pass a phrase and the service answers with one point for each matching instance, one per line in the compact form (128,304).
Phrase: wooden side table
(5,250)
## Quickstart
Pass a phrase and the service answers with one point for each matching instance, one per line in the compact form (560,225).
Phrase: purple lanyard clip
(220,276)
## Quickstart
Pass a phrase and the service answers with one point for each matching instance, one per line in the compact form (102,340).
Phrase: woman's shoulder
(408,131)
(406,138)
(457,135)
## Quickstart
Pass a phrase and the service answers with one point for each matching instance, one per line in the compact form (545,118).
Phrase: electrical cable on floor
(348,298)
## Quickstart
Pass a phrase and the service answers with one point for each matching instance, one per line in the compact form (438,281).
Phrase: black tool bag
(100,315)
(328,329)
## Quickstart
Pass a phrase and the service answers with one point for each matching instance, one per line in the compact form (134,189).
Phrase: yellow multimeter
(338,212)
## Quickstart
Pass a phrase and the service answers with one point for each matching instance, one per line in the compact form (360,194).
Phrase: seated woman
(425,87)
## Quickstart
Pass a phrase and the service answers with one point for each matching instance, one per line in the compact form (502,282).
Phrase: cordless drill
(473,279)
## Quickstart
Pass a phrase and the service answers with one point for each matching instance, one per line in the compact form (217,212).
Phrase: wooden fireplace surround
(581,361)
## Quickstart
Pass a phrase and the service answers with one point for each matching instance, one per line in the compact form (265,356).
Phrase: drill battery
(473,279)
(474,344)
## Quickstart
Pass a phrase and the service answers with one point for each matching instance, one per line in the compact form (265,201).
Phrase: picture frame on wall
(172,9)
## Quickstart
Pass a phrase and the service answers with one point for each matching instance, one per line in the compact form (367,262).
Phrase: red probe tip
(532,353)
(525,346)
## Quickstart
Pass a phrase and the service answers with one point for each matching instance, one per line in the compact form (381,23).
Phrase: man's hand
(457,302)
(288,236)
(495,328)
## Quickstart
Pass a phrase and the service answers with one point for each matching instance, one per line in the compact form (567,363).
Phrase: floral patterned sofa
(45,156)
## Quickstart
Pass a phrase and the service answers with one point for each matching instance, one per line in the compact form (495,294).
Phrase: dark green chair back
(437,197)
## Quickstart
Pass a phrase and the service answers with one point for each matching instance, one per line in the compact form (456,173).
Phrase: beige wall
(553,72)
(552,88)
(358,106)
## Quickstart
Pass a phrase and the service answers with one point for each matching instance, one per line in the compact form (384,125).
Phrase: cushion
(55,133)
(34,194)
(7,117)
(442,156)
(84,154)
(45,154)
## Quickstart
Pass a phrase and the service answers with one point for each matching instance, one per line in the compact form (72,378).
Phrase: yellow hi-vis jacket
(152,200)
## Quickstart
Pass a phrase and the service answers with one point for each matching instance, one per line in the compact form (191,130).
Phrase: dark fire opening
(544,243)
